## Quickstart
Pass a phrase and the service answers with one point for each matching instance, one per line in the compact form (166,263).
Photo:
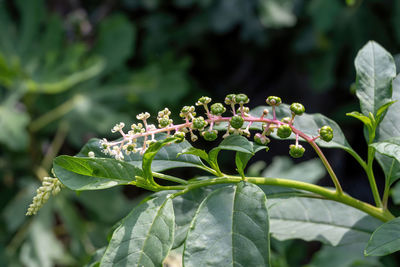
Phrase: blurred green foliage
(70,70)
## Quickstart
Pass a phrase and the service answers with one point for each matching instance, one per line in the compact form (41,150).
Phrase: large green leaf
(385,240)
(144,237)
(166,158)
(185,207)
(308,124)
(388,128)
(389,148)
(93,173)
(375,71)
(230,228)
(327,221)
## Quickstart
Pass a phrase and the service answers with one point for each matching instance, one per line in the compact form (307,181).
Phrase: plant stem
(55,113)
(371,177)
(385,197)
(379,213)
(169,178)
(328,167)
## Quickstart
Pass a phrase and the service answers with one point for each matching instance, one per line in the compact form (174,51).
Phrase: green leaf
(241,159)
(230,229)
(150,153)
(326,221)
(308,124)
(185,207)
(375,69)
(385,240)
(166,158)
(145,236)
(387,129)
(364,119)
(233,142)
(93,173)
(380,114)
(309,171)
(195,151)
(389,148)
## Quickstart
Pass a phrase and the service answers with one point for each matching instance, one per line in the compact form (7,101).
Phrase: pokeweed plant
(226,220)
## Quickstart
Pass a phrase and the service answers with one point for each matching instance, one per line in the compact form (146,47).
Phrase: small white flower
(91,154)
(118,127)
(143,116)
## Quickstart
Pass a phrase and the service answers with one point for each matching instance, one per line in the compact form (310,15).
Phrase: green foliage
(375,71)
(230,218)
(144,237)
(385,240)
(93,174)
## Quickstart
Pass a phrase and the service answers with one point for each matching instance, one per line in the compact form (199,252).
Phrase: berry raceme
(204,125)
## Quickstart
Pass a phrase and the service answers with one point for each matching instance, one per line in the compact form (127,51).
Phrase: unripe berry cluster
(239,123)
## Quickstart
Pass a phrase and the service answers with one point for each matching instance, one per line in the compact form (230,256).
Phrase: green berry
(284,131)
(199,123)
(261,139)
(296,151)
(130,147)
(210,135)
(273,100)
(230,99)
(217,109)
(164,122)
(236,122)
(326,133)
(241,99)
(297,108)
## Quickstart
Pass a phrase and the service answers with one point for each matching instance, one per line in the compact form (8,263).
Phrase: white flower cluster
(128,143)
(49,186)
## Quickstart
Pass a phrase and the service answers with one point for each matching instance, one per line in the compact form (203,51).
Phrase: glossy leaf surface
(144,237)
(375,69)
(385,240)
(389,128)
(93,173)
